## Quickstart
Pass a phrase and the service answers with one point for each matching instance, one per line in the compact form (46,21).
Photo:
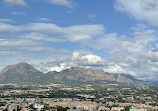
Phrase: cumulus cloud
(62,3)
(135,54)
(142,10)
(76,56)
(91,59)
(114,69)
(15,2)
(57,68)
(27,41)
(87,59)
(77,59)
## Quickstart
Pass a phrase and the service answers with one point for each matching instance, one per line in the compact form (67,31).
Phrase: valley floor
(60,97)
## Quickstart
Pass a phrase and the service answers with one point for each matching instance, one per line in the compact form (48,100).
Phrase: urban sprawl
(60,97)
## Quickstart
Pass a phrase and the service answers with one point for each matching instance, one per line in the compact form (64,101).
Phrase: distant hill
(25,73)
(79,74)
(21,73)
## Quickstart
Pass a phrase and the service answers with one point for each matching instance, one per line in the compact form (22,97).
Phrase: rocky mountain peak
(24,72)
(21,67)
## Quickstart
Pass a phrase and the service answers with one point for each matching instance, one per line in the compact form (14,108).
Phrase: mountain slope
(25,73)
(21,73)
(79,74)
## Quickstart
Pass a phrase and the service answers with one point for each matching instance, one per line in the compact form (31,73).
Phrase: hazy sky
(118,36)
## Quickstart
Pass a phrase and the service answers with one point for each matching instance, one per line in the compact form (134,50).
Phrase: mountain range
(25,73)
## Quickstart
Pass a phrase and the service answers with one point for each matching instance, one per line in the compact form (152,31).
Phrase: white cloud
(57,68)
(114,69)
(77,59)
(78,33)
(15,42)
(25,42)
(76,56)
(43,27)
(91,59)
(18,13)
(6,20)
(142,10)
(135,54)
(154,69)
(6,29)
(62,3)
(153,56)
(92,17)
(44,19)
(82,32)
(139,27)
(15,2)
(42,37)
(87,60)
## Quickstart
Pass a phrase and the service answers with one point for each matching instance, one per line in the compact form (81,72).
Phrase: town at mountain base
(27,74)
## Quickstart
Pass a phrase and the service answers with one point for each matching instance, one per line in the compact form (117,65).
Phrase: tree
(60,108)
(127,108)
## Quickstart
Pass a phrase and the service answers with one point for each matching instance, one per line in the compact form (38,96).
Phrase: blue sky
(118,36)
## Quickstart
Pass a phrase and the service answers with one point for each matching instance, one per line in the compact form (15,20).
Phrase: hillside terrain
(25,73)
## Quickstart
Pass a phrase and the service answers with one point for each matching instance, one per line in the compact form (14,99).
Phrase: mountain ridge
(77,73)
(25,73)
